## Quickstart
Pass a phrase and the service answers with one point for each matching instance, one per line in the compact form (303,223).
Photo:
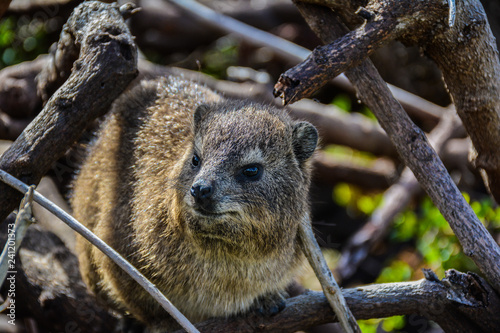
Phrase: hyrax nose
(202,191)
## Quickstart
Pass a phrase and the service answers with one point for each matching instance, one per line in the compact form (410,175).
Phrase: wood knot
(129,9)
(365,13)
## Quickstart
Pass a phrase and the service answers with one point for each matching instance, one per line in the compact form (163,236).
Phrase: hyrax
(204,195)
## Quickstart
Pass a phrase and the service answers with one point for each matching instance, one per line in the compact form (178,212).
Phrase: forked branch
(413,147)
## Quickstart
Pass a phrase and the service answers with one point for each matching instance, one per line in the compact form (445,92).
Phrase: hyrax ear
(200,113)
(305,139)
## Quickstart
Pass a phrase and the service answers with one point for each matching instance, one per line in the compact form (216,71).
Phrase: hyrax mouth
(204,212)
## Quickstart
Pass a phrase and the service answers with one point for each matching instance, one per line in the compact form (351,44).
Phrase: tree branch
(107,64)
(468,57)
(49,287)
(385,21)
(330,287)
(453,303)
(416,152)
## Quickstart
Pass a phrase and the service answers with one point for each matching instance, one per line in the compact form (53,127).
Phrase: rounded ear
(199,113)
(305,139)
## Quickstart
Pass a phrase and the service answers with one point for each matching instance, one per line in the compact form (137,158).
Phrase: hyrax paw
(270,305)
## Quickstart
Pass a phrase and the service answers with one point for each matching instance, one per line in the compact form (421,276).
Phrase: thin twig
(330,287)
(24,219)
(452,13)
(105,248)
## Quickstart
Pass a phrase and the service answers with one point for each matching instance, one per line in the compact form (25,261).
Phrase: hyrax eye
(252,172)
(195,161)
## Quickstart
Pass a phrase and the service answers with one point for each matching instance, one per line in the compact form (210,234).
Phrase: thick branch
(452,303)
(385,21)
(107,63)
(468,57)
(49,287)
(416,152)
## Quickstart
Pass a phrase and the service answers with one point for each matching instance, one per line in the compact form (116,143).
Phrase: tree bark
(466,54)
(468,57)
(49,287)
(107,64)
(411,144)
(458,303)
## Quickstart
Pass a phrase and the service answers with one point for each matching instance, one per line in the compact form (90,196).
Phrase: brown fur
(229,253)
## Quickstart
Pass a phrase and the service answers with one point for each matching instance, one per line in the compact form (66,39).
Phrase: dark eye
(195,161)
(252,172)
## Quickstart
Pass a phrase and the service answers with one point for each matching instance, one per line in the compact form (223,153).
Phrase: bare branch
(416,152)
(472,76)
(330,287)
(385,22)
(452,303)
(96,31)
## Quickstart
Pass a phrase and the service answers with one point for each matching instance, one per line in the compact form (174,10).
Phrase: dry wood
(465,53)
(49,287)
(330,287)
(453,303)
(468,57)
(107,64)
(413,148)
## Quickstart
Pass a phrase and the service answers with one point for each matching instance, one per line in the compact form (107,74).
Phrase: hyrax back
(203,195)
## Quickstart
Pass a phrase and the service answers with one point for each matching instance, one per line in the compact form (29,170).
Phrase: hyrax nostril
(201,192)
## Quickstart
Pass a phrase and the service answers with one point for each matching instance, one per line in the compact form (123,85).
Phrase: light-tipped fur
(231,252)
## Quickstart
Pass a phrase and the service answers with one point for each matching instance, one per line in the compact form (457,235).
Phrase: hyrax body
(203,195)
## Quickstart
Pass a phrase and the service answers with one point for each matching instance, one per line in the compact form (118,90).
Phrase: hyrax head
(245,178)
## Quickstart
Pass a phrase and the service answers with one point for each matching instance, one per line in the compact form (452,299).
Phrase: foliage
(344,102)
(21,40)
(223,54)
(435,244)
